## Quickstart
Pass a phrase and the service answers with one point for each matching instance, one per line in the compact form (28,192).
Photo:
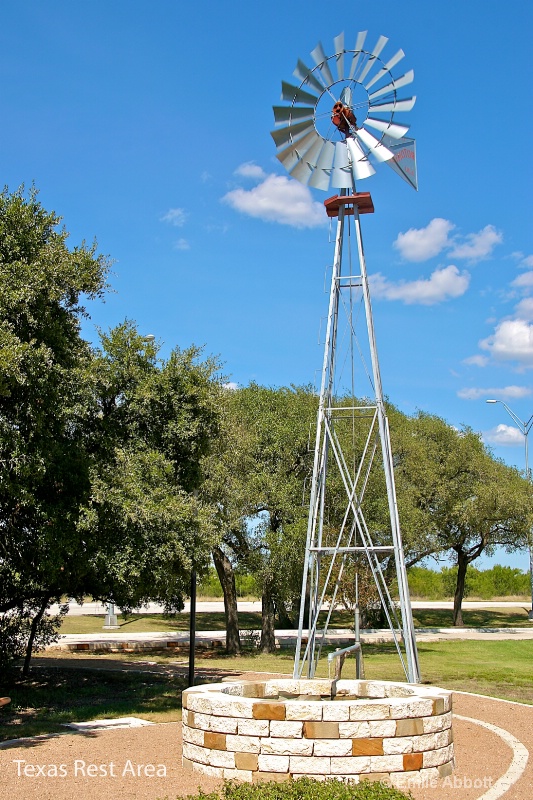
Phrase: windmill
(339,117)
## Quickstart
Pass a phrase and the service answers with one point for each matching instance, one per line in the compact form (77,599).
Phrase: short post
(111,621)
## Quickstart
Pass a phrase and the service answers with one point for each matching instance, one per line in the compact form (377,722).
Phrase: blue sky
(146,125)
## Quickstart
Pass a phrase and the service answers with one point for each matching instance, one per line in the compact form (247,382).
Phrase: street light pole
(524,428)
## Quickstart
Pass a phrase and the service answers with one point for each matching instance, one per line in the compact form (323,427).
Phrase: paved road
(255,605)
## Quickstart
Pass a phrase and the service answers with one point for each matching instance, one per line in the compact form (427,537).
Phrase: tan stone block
(398,745)
(286,747)
(268,777)
(253,727)
(335,711)
(241,775)
(310,765)
(243,744)
(412,761)
(386,763)
(273,763)
(349,765)
(445,769)
(367,747)
(215,741)
(321,730)
(221,758)
(331,747)
(305,711)
(186,694)
(438,706)
(246,761)
(369,709)
(193,735)
(384,777)
(253,689)
(292,728)
(186,764)
(352,730)
(268,711)
(409,727)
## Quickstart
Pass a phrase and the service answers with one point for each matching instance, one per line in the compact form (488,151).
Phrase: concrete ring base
(338,729)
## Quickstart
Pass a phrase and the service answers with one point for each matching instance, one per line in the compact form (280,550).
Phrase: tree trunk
(226,577)
(268,630)
(33,630)
(462,565)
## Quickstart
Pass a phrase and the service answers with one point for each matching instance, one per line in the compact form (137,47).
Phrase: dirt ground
(145,763)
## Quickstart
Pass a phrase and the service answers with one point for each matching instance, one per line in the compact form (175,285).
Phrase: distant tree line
(122,471)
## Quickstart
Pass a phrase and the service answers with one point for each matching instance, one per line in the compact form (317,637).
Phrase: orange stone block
(438,706)
(412,761)
(215,741)
(269,711)
(246,761)
(367,747)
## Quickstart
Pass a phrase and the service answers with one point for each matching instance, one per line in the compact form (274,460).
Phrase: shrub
(304,789)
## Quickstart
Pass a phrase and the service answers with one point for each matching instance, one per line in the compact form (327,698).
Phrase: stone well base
(343,729)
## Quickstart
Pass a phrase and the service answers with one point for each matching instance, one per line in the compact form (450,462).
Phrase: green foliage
(489,583)
(209,585)
(15,628)
(303,789)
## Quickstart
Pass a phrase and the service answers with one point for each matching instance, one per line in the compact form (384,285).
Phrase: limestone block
(369,709)
(352,730)
(242,775)
(320,687)
(445,769)
(403,709)
(195,753)
(438,706)
(193,735)
(409,727)
(350,765)
(367,747)
(243,744)
(261,777)
(386,727)
(246,761)
(335,712)
(412,761)
(275,686)
(273,763)
(321,730)
(376,776)
(185,716)
(399,744)
(200,721)
(200,702)
(434,758)
(221,758)
(386,763)
(438,723)
(302,710)
(287,747)
(268,711)
(347,687)
(374,689)
(215,741)
(187,695)
(186,764)
(332,747)
(253,727)
(223,706)
(310,766)
(212,772)
(223,724)
(425,742)
(285,729)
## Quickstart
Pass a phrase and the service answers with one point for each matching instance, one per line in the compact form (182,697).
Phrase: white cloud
(279,199)
(442,284)
(251,170)
(231,386)
(528,261)
(477,361)
(175,216)
(524,281)
(478,245)
(419,244)
(524,309)
(511,341)
(504,434)
(507,393)
(182,244)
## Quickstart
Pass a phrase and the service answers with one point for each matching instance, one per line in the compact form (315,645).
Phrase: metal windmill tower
(324,141)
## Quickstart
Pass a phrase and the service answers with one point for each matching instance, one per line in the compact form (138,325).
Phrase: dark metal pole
(192,628)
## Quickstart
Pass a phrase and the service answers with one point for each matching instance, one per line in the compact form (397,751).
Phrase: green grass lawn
(214,621)
(67,693)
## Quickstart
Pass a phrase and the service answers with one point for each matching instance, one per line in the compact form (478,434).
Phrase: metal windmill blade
(365,85)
